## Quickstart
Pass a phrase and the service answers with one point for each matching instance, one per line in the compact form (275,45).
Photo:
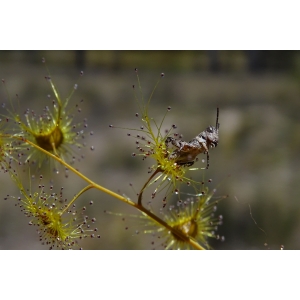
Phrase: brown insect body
(186,152)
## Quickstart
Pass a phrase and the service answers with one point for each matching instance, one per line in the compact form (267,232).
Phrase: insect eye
(210,129)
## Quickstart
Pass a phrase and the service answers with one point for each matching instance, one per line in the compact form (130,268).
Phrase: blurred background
(256,162)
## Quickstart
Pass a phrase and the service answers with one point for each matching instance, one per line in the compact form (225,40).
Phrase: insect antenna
(217,121)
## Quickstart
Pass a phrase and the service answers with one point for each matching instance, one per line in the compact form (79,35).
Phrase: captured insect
(186,152)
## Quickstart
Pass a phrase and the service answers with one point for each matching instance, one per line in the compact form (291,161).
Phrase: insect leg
(168,140)
(207,159)
(207,154)
(176,143)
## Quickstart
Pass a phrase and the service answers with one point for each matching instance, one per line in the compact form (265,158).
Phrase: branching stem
(76,197)
(92,184)
(145,185)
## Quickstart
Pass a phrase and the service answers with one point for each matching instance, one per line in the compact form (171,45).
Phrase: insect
(186,152)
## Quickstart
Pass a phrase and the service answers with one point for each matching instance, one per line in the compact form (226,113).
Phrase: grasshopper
(186,152)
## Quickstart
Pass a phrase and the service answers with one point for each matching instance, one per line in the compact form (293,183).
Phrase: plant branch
(92,184)
(145,185)
(76,197)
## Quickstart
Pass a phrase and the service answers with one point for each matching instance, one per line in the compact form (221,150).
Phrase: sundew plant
(186,218)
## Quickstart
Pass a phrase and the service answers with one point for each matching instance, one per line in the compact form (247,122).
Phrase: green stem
(76,196)
(145,185)
(92,184)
